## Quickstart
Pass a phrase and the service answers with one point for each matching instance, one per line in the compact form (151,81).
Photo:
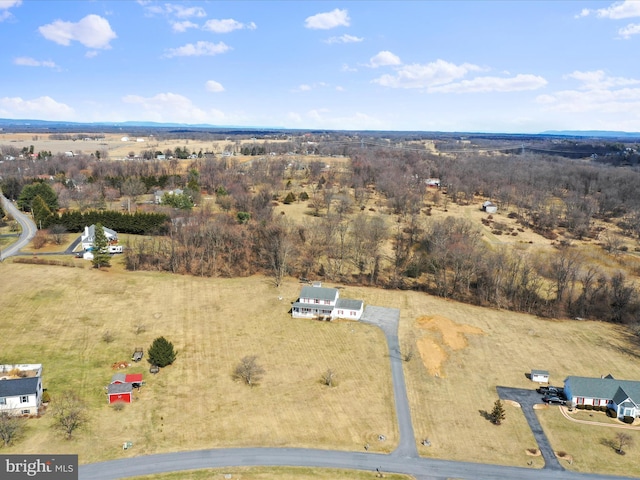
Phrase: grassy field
(58,316)
(283,473)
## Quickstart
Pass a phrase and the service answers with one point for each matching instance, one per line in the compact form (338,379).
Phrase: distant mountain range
(591,133)
(62,125)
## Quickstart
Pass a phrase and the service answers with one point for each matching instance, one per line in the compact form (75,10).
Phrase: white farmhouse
(317,301)
(20,389)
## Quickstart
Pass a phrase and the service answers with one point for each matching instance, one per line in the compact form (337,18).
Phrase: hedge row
(137,223)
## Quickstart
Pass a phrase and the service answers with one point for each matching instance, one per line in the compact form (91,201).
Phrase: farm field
(60,317)
(282,473)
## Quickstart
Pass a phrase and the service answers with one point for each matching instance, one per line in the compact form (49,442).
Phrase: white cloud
(175,10)
(384,58)
(44,108)
(213,86)
(618,10)
(598,79)
(585,12)
(328,20)
(597,92)
(227,25)
(629,30)
(198,49)
(183,26)
(305,87)
(344,39)
(492,84)
(172,107)
(430,75)
(32,62)
(92,31)
(5,5)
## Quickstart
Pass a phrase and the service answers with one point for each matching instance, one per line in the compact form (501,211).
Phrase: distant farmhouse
(20,389)
(623,396)
(158,194)
(89,236)
(321,302)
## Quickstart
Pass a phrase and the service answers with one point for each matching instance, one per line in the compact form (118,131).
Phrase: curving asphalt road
(28,229)
(404,459)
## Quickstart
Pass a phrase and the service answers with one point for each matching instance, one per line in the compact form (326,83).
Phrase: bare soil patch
(451,334)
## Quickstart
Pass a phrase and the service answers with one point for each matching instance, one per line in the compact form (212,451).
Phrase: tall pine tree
(101,257)
(161,352)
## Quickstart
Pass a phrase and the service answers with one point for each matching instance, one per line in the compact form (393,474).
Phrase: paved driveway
(527,399)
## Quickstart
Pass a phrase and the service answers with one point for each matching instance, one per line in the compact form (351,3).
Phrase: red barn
(120,392)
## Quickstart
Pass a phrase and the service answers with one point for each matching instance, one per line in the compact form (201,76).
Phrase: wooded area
(368,217)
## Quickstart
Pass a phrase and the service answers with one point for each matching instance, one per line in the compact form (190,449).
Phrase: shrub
(588,407)
(46,398)
(611,413)
(161,352)
(290,198)
(628,419)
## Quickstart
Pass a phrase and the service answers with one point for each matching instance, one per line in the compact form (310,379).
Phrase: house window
(25,412)
(317,300)
(24,399)
(3,401)
(580,400)
(596,402)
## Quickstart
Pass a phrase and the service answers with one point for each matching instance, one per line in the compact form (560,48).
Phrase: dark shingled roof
(19,386)
(349,304)
(119,388)
(321,293)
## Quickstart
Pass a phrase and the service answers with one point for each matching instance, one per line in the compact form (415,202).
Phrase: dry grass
(590,447)
(268,473)
(58,316)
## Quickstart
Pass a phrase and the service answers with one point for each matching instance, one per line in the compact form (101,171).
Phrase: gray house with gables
(623,396)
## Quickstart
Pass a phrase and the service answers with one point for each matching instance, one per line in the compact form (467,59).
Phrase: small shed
(120,392)
(489,207)
(540,376)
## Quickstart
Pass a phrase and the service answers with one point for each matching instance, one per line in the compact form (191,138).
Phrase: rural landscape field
(80,322)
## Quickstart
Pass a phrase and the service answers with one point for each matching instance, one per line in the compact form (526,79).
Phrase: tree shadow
(528,376)
(607,442)
(486,415)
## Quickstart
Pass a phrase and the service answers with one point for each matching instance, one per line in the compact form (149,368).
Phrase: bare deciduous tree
(69,413)
(248,370)
(11,427)
(329,378)
(623,439)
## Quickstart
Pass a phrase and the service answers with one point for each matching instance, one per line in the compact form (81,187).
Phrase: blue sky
(503,66)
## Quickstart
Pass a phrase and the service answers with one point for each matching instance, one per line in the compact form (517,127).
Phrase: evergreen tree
(41,212)
(497,414)
(30,192)
(161,352)
(101,257)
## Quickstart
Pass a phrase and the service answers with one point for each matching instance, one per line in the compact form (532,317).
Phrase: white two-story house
(20,389)
(317,301)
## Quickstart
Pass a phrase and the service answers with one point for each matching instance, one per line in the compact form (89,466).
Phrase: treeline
(137,223)
(444,257)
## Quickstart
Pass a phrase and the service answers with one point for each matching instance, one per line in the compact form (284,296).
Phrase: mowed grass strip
(59,316)
(268,473)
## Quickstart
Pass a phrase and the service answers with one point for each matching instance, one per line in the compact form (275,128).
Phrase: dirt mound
(451,334)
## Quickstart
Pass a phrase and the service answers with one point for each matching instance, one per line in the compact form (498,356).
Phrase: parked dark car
(553,400)
(552,391)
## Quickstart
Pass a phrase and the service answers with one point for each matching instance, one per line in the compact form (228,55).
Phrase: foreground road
(420,468)
(28,228)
